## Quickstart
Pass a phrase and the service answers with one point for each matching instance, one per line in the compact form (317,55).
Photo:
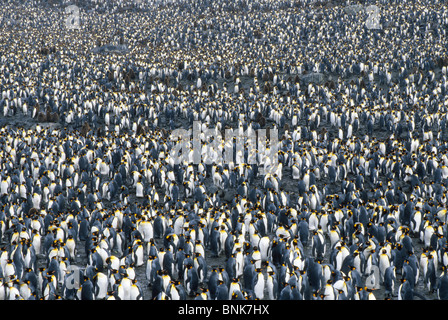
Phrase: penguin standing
(87,289)
(100,282)
(259,284)
(201,266)
(136,292)
(318,244)
(191,280)
(272,286)
(212,283)
(389,281)
(222,291)
(138,253)
(442,285)
(384,264)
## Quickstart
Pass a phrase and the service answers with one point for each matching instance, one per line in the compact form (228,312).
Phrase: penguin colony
(87,178)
